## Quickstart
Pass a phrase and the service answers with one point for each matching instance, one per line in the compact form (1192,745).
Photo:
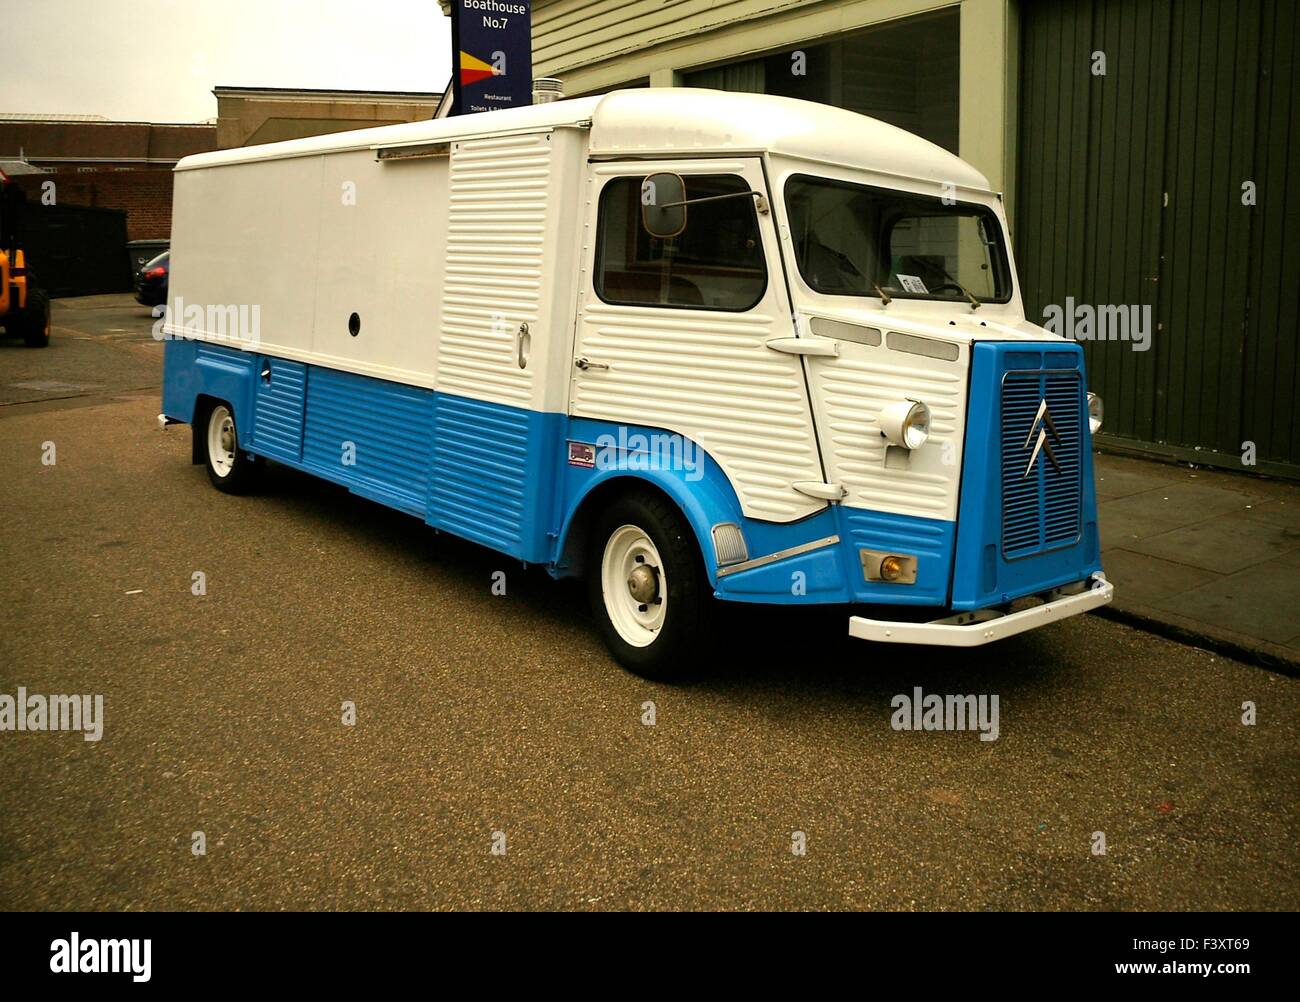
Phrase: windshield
(856,240)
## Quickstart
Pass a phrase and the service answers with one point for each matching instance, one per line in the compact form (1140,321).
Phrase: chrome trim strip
(771,558)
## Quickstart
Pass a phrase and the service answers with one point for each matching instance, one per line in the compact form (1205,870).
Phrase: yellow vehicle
(24,308)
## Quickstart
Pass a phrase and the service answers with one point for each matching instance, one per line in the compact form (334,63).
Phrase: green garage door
(1147,130)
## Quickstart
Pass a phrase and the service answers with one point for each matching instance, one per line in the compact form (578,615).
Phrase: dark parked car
(151,281)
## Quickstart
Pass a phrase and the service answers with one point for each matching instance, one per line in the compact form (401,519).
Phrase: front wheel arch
(703,505)
(577,536)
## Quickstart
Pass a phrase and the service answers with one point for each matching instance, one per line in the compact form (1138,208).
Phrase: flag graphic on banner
(473,69)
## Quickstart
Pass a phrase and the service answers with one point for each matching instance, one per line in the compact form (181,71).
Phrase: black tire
(237,471)
(682,638)
(35,321)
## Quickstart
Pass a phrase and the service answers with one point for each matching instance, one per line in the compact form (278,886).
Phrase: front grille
(1041,511)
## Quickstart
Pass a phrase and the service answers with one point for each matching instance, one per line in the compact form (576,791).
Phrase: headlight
(1095,413)
(906,423)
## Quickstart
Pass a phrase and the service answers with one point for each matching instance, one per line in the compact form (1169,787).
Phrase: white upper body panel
(665,120)
(449,258)
(676,120)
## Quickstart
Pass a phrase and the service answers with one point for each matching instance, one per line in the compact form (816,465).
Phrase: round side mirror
(663,205)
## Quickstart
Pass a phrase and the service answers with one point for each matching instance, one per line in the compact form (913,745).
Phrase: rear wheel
(35,322)
(229,468)
(647,588)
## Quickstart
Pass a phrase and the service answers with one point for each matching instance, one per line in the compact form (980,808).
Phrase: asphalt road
(100,345)
(479,713)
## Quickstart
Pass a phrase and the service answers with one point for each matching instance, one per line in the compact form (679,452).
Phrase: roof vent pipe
(547,89)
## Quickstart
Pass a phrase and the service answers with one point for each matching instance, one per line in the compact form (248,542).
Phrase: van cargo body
(688,344)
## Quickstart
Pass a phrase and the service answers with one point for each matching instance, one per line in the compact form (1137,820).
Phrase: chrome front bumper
(971,629)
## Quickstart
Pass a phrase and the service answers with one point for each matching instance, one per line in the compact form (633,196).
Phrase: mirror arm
(760,202)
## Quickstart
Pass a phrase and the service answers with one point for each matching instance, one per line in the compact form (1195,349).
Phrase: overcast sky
(158,60)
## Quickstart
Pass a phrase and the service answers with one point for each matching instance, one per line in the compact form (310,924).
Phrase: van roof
(668,120)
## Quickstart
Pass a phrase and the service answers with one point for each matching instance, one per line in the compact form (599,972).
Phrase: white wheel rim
(629,555)
(221,441)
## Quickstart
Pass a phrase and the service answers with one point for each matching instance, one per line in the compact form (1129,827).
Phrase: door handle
(823,491)
(817,346)
(585,363)
(523,341)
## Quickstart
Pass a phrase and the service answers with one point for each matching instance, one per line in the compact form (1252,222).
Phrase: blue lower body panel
(833,573)
(822,574)
(479,470)
(374,436)
(493,475)
(514,479)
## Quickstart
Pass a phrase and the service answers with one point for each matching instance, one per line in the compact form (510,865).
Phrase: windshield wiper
(885,298)
(975,304)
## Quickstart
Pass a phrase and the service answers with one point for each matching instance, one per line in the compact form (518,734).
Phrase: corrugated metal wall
(1130,193)
(1271,388)
(573,32)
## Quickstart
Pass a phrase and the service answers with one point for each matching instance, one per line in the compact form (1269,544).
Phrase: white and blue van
(692,345)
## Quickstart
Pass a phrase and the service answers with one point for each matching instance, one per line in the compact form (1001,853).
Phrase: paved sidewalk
(1206,555)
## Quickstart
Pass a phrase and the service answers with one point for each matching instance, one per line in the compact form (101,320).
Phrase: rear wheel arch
(203,404)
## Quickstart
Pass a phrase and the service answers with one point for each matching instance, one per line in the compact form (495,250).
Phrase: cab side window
(715,263)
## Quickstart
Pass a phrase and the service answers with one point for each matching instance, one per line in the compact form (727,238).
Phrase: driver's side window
(715,263)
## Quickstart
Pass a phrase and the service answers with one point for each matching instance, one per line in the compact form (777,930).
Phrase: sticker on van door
(913,283)
(581,454)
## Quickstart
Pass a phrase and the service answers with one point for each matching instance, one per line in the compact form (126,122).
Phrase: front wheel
(230,469)
(647,588)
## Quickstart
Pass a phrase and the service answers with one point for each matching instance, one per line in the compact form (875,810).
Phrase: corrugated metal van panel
(496,236)
(389,427)
(277,409)
(851,391)
(708,377)
(480,472)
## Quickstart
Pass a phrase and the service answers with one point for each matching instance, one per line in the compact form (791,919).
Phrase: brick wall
(146,195)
